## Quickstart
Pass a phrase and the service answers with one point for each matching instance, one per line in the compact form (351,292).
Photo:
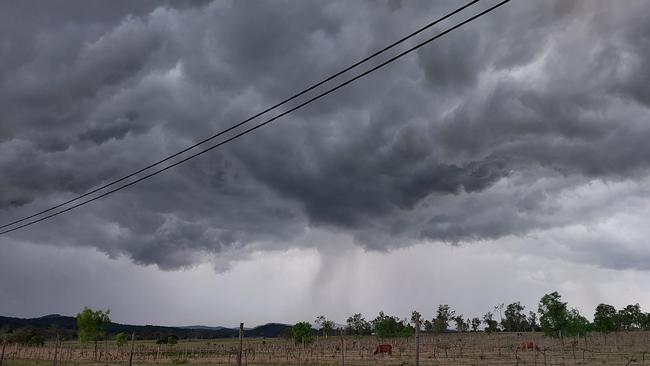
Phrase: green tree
(532,321)
(301,332)
(121,339)
(92,326)
(605,319)
(461,325)
(390,326)
(28,336)
(515,319)
(645,324)
(357,325)
(476,322)
(491,325)
(428,326)
(416,317)
(553,315)
(4,335)
(630,317)
(444,314)
(326,326)
(577,325)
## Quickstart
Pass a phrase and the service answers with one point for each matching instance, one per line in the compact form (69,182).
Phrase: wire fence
(621,348)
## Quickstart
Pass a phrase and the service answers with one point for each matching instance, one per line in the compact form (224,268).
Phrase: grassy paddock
(622,348)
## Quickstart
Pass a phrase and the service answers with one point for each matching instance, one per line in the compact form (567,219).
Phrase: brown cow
(528,346)
(384,348)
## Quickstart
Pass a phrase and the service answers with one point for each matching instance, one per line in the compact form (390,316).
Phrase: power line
(285,101)
(392,59)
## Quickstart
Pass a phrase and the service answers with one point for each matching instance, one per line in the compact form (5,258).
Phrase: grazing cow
(528,346)
(384,348)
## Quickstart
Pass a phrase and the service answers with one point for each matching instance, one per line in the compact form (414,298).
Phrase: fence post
(132,346)
(342,347)
(56,349)
(417,341)
(241,343)
(2,356)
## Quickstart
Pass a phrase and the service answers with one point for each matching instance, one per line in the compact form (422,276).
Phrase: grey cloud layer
(474,137)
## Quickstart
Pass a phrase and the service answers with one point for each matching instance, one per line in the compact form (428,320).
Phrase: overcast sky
(506,160)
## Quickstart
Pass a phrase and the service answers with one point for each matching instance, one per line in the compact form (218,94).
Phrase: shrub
(302,333)
(121,339)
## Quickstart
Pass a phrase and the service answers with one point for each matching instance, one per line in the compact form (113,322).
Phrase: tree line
(553,317)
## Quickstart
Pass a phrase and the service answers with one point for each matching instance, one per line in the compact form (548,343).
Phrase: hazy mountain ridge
(67,326)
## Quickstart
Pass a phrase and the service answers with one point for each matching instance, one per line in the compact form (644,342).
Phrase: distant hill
(270,330)
(52,324)
(202,327)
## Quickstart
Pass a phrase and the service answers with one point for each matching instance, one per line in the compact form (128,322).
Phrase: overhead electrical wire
(285,101)
(319,96)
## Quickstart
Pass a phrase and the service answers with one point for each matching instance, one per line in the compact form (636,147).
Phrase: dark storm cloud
(474,137)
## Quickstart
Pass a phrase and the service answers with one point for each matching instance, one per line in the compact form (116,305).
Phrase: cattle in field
(528,346)
(384,348)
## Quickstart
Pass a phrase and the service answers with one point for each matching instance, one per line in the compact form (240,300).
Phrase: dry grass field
(623,348)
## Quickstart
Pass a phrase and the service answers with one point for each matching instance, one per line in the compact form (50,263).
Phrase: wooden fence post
(342,347)
(417,341)
(56,349)
(2,355)
(132,346)
(241,343)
